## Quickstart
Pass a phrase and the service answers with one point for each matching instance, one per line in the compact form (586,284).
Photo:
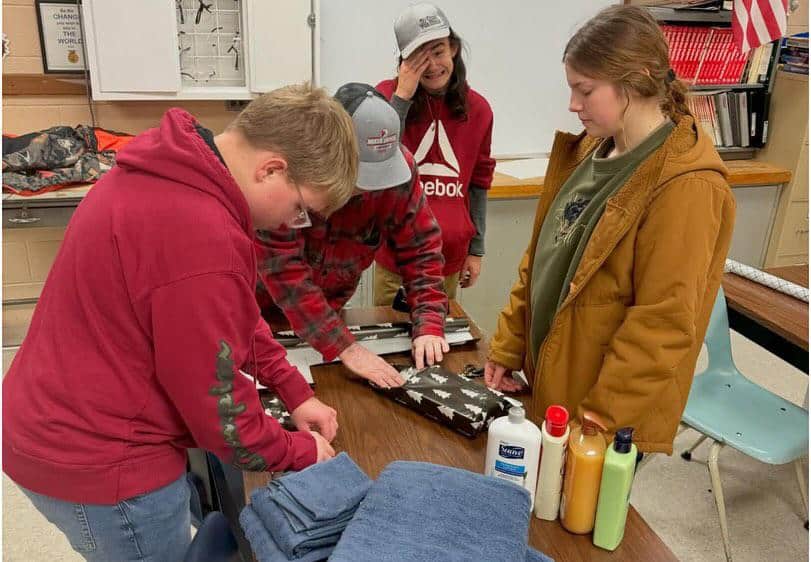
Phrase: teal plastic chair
(729,409)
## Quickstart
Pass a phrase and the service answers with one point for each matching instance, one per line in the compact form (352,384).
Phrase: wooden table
(773,320)
(375,431)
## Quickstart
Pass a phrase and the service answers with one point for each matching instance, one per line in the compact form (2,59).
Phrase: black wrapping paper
(450,399)
(275,408)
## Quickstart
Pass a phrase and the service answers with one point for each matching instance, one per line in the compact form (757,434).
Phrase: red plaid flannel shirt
(311,273)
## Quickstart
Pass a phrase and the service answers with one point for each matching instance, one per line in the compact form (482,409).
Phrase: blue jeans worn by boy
(153,527)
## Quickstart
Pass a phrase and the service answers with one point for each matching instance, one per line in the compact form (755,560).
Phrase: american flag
(755,22)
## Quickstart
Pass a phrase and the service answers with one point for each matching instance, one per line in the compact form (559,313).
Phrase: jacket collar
(622,209)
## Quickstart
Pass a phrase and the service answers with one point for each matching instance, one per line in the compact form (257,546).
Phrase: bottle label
(510,451)
(506,468)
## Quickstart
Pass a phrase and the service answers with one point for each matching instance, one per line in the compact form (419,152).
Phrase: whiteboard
(513,58)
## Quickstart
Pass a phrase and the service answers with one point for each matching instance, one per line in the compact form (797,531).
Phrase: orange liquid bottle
(584,471)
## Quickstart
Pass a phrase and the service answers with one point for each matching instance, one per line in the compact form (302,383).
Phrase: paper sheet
(523,169)
(305,357)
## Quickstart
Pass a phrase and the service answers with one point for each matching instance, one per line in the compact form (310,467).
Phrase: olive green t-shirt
(570,221)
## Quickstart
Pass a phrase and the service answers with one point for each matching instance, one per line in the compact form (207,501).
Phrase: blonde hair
(312,131)
(625,45)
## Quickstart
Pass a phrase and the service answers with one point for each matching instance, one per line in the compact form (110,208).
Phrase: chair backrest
(719,346)
(214,541)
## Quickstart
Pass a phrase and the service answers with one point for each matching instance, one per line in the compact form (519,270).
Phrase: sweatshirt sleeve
(401,106)
(485,163)
(273,371)
(478,215)
(203,334)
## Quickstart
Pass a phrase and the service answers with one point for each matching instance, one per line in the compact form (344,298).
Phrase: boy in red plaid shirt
(310,273)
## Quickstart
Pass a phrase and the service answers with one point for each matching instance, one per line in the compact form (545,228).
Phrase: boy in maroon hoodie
(136,349)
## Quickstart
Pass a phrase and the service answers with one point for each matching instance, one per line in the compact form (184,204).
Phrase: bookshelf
(735,115)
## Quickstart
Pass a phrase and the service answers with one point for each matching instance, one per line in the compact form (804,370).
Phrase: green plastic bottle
(615,490)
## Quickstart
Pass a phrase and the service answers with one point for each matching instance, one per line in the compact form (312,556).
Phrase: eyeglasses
(302,219)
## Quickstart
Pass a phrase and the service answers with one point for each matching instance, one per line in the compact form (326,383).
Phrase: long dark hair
(455,95)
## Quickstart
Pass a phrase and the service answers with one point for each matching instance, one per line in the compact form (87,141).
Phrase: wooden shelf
(736,152)
(704,87)
(742,173)
(751,172)
(43,85)
(723,17)
(793,76)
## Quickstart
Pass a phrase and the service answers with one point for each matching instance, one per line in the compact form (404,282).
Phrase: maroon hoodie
(135,348)
(452,154)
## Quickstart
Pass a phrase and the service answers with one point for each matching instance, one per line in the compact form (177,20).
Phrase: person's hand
(499,377)
(428,350)
(470,271)
(312,414)
(410,72)
(366,364)
(324,450)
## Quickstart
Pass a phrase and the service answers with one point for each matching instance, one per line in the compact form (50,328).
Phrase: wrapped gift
(450,399)
(275,408)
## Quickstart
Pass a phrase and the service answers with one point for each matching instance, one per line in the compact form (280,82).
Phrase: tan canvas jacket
(625,341)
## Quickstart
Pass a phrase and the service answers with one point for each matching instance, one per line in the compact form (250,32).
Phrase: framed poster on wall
(60,36)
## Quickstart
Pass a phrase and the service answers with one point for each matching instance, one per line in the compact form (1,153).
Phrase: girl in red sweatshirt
(447,127)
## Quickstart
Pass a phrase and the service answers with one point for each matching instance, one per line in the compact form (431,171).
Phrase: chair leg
(718,492)
(644,462)
(798,470)
(688,454)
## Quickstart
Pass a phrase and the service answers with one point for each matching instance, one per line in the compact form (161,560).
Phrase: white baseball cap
(419,24)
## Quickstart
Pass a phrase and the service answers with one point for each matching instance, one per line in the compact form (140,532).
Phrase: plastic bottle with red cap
(555,435)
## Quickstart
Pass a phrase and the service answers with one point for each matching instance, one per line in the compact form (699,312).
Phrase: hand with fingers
(312,414)
(324,450)
(366,364)
(499,377)
(471,270)
(428,350)
(410,72)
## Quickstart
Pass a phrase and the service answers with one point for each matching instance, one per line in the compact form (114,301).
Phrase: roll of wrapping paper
(288,338)
(766,279)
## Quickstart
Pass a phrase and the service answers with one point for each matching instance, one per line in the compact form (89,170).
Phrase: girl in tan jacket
(616,287)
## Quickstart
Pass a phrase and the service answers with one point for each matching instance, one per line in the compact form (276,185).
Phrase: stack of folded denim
(421,512)
(301,516)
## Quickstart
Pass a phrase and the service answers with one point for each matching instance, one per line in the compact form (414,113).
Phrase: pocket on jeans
(87,542)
